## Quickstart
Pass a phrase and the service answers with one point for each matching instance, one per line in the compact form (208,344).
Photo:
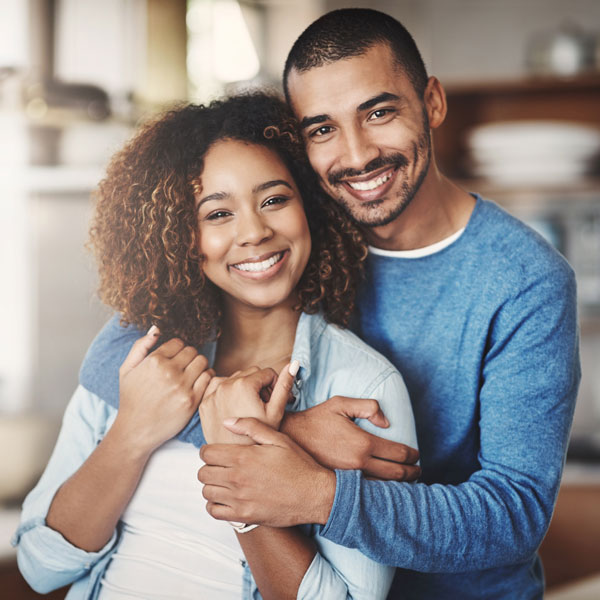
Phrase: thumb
(256,430)
(280,396)
(140,349)
(361,408)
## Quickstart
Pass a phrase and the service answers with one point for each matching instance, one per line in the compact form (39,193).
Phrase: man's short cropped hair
(351,32)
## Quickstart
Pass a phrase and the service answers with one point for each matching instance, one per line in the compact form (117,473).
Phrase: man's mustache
(393,160)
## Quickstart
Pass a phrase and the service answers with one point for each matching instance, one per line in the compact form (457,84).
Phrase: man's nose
(359,149)
(253,229)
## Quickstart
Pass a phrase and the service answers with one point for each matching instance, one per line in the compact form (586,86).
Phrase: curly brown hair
(144,231)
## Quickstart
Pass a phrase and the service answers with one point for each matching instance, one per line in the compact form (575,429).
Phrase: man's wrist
(325,485)
(287,423)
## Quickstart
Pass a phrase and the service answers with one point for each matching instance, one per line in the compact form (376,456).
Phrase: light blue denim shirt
(333,362)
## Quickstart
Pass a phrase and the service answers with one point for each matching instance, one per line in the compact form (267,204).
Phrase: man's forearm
(486,522)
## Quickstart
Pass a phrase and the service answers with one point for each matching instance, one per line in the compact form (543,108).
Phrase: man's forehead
(350,82)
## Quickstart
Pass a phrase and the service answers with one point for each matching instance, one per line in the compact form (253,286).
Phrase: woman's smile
(262,267)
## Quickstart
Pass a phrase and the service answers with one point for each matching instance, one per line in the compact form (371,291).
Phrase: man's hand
(329,434)
(273,482)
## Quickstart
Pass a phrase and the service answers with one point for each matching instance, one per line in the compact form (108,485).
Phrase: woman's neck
(251,337)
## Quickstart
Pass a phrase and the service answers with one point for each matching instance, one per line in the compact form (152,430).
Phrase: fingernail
(293,368)
(230,421)
(153,330)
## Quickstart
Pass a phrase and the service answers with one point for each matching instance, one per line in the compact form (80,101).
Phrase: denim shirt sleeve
(340,572)
(46,559)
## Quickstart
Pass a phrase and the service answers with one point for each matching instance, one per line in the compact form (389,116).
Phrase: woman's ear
(435,102)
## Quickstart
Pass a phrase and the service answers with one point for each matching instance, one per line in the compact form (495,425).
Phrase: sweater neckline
(432,249)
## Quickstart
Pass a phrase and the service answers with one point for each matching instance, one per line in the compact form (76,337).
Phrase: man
(476,311)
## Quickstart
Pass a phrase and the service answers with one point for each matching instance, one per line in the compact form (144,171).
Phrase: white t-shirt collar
(418,252)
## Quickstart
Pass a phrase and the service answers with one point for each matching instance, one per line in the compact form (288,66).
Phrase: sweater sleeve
(529,380)
(46,559)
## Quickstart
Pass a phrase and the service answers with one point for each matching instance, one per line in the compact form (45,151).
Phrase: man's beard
(408,190)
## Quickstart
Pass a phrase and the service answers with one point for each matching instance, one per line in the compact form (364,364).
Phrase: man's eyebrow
(261,187)
(383,97)
(308,121)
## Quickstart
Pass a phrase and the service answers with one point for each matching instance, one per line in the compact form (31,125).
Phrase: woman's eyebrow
(261,187)
(215,196)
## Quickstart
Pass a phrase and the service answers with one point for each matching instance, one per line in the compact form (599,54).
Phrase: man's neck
(439,209)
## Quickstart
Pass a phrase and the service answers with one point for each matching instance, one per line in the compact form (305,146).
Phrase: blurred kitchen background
(77,76)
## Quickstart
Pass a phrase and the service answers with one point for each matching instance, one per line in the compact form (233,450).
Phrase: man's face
(366,133)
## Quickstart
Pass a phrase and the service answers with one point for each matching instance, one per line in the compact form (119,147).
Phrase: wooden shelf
(471,104)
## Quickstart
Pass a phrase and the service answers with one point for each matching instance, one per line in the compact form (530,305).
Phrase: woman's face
(254,236)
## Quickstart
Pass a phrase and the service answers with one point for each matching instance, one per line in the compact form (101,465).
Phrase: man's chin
(374,213)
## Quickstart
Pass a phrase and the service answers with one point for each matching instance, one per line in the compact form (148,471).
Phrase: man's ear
(435,102)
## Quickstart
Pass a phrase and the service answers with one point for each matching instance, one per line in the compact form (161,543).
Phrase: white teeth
(259,266)
(369,185)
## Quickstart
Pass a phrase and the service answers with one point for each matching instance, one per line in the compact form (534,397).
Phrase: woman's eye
(324,130)
(217,214)
(275,200)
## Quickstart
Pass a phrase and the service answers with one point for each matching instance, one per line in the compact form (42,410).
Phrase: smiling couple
(213,233)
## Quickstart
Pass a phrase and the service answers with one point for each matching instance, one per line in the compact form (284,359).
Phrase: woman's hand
(160,391)
(245,394)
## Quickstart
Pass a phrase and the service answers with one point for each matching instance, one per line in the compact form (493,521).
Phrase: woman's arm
(46,560)
(284,561)
(158,395)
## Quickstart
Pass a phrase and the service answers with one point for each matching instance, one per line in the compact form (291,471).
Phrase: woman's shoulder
(341,358)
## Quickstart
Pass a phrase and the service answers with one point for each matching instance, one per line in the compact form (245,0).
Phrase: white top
(418,252)
(170,546)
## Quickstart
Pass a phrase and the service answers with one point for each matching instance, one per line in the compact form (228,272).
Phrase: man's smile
(372,186)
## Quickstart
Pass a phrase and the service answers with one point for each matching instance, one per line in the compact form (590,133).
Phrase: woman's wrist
(130,443)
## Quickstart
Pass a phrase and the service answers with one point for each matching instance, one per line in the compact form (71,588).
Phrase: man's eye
(217,214)
(379,113)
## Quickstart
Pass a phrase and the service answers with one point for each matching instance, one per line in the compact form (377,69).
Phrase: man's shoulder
(99,371)
(509,246)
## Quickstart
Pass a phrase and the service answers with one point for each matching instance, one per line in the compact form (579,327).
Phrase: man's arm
(500,515)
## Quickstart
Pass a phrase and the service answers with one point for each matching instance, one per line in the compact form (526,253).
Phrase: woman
(203,233)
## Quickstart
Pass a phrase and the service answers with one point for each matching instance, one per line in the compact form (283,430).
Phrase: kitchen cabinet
(564,99)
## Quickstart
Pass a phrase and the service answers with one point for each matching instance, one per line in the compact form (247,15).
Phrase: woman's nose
(253,229)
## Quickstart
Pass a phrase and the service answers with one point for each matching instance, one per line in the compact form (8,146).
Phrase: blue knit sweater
(485,335)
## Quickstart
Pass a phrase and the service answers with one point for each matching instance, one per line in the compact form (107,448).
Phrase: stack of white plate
(533,152)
